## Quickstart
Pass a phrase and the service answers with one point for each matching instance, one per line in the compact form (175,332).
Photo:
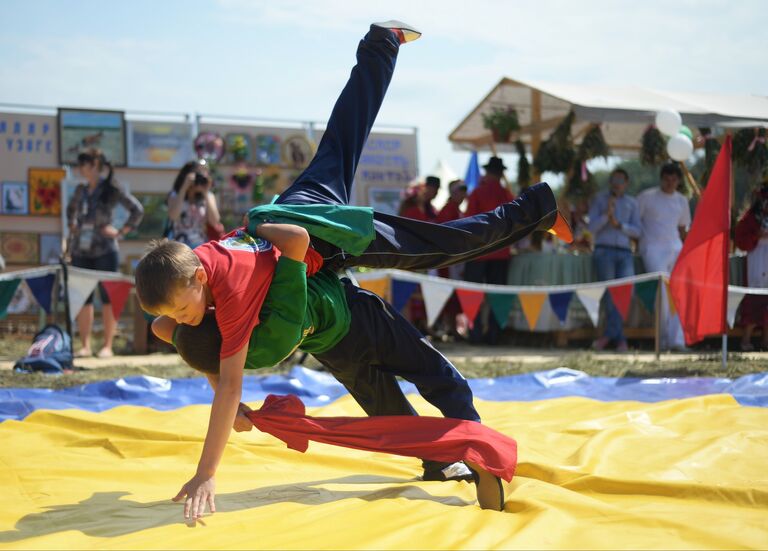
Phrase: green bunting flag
(646,292)
(501,304)
(7,290)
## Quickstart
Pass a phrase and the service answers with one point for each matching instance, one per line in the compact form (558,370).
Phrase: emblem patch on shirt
(239,240)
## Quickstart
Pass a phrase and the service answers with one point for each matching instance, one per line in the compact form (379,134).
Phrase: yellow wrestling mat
(682,474)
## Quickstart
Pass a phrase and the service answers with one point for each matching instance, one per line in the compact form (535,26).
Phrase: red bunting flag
(470,303)
(118,292)
(621,295)
(699,280)
(435,438)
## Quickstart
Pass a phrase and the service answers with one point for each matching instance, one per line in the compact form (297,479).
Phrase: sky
(289,59)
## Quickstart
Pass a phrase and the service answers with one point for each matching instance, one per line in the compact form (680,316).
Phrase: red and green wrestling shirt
(240,269)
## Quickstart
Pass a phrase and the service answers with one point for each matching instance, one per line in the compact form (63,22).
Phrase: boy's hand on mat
(198,492)
(242,423)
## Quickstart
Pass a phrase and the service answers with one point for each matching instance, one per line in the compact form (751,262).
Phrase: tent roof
(623,111)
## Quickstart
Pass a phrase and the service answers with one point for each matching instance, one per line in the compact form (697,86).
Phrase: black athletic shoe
(403,31)
(443,472)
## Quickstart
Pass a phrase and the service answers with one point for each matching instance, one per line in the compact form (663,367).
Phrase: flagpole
(725,351)
(727,266)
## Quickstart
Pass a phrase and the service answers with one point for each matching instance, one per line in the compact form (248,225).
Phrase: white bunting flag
(80,286)
(435,296)
(590,298)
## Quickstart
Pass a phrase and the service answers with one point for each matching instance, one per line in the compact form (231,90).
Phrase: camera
(201,179)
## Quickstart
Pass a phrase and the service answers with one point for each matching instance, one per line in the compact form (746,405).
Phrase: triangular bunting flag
(621,295)
(42,289)
(118,292)
(80,286)
(532,303)
(734,299)
(401,292)
(501,304)
(377,286)
(470,303)
(559,303)
(590,299)
(7,290)
(646,292)
(435,296)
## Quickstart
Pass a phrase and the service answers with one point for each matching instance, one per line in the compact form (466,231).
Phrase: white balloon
(668,121)
(680,147)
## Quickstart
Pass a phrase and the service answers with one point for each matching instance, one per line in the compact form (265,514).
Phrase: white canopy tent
(624,112)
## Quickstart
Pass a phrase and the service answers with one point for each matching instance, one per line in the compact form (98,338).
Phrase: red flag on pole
(699,280)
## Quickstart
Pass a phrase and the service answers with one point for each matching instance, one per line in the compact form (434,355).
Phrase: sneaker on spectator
(622,346)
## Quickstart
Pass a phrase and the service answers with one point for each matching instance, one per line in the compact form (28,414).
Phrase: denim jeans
(613,263)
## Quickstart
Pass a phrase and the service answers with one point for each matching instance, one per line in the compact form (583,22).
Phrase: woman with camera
(93,237)
(193,217)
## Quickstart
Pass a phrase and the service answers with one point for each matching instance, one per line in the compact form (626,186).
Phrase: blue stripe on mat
(317,388)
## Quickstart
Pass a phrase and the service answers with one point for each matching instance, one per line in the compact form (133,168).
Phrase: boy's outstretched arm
(200,490)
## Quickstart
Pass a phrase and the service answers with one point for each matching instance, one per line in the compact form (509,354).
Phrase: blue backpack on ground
(51,352)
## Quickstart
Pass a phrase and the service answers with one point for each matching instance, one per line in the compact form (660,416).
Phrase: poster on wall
(26,140)
(159,145)
(80,129)
(14,198)
(45,191)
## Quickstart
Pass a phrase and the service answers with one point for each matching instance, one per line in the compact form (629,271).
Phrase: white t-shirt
(191,227)
(661,214)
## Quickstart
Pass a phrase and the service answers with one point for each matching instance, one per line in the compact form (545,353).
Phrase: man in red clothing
(457,191)
(493,267)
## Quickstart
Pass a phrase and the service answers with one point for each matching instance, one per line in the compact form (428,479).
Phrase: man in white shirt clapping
(664,217)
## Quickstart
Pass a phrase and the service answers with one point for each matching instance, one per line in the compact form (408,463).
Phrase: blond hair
(164,268)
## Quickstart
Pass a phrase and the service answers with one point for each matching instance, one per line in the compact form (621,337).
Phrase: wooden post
(657,320)
(139,328)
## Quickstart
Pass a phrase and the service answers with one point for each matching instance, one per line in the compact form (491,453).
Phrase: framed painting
(45,191)
(50,248)
(20,248)
(297,151)
(80,129)
(239,148)
(14,198)
(159,145)
(267,149)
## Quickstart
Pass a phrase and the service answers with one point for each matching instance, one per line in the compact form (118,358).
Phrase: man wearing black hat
(493,267)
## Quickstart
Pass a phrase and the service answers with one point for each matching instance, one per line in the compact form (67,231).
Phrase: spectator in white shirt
(664,218)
